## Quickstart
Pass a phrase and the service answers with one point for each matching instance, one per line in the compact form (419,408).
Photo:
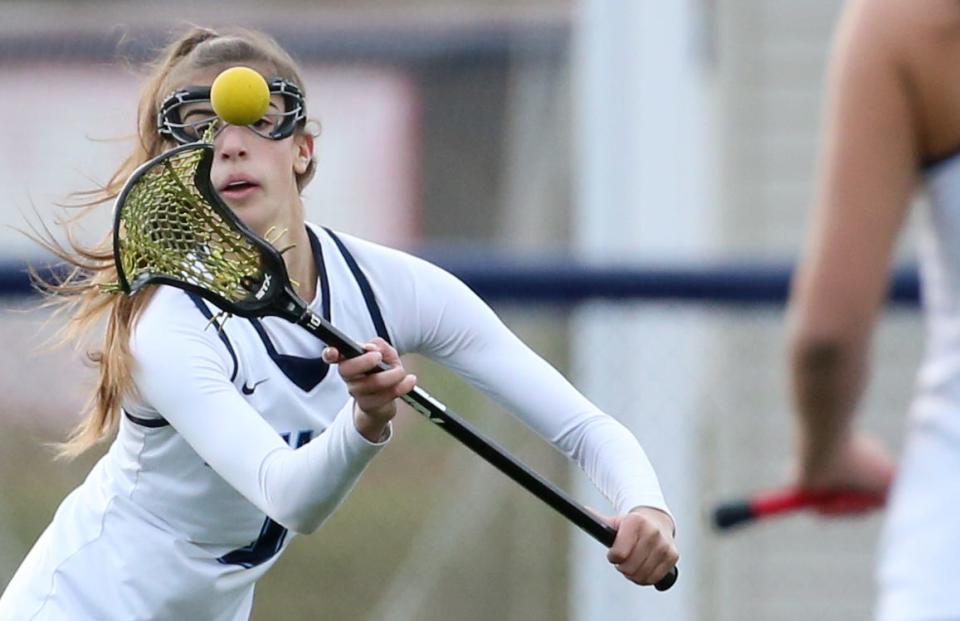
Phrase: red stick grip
(778,501)
(832,501)
(774,502)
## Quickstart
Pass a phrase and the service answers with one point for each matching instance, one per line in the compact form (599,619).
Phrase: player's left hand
(860,468)
(644,550)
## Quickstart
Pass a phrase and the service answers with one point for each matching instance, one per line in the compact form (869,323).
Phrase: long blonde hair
(80,292)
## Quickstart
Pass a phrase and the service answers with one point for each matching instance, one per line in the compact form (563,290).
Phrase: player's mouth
(237,187)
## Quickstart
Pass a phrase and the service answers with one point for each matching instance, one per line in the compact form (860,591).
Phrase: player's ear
(304,152)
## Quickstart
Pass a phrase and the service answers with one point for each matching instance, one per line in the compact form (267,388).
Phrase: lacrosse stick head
(170,227)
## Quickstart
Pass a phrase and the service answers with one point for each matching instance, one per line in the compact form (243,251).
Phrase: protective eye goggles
(184,121)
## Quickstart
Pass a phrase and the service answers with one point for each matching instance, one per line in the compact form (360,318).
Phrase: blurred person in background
(892,124)
(229,435)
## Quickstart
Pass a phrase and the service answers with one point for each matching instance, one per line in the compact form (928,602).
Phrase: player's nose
(233,142)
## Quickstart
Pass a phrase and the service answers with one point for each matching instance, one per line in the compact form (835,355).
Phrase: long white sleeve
(183,375)
(435,314)
(471,340)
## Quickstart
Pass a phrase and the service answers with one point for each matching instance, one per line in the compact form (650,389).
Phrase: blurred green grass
(496,552)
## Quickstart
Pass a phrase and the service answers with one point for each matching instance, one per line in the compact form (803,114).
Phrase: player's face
(254,175)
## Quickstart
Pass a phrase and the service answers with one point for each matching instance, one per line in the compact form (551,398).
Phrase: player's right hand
(375,393)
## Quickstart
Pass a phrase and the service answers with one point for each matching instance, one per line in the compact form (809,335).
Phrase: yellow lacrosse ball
(240,96)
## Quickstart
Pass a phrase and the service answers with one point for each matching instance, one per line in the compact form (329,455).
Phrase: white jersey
(919,569)
(939,379)
(241,436)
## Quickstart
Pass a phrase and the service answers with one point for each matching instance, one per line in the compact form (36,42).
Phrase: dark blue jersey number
(272,535)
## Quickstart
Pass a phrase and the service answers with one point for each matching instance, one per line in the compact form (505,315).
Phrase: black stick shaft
(497,456)
(439,414)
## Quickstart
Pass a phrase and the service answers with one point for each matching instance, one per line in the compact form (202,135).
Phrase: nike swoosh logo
(248,390)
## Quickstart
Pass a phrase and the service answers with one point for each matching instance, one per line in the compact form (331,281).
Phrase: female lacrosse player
(893,120)
(230,436)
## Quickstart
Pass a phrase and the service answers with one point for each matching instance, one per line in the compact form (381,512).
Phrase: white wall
(66,127)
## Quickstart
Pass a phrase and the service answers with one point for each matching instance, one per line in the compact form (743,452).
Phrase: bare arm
(867,172)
